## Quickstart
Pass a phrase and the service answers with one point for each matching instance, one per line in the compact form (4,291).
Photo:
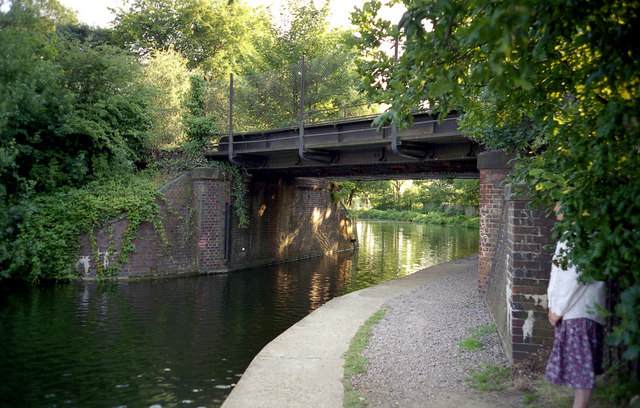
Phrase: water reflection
(392,249)
(185,342)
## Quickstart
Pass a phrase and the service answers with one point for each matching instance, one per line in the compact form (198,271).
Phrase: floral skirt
(576,357)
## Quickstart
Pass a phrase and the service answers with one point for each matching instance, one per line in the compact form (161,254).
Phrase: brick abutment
(515,252)
(289,219)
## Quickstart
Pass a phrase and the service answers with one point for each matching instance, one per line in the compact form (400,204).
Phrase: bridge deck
(428,148)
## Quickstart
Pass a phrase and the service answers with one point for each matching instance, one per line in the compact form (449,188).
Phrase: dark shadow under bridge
(353,149)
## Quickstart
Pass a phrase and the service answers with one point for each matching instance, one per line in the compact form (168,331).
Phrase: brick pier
(514,260)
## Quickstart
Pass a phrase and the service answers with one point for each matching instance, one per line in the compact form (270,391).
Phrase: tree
(111,115)
(71,109)
(557,83)
(31,101)
(466,192)
(199,125)
(419,195)
(84,33)
(49,13)
(167,73)
(70,112)
(347,191)
(212,35)
(303,29)
(268,92)
(376,194)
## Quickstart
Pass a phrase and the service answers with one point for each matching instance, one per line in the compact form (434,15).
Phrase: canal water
(185,342)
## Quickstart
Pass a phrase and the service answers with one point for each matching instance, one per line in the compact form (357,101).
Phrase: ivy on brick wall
(239,190)
(190,156)
(46,244)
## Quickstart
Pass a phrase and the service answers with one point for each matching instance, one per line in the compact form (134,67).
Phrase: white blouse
(569,298)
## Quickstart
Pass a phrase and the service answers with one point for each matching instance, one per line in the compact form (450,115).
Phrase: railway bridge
(514,254)
(354,148)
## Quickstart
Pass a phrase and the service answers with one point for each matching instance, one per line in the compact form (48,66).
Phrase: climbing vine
(47,242)
(239,191)
(199,127)
(192,155)
(138,201)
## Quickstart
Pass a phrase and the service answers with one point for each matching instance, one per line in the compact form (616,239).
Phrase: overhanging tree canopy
(558,83)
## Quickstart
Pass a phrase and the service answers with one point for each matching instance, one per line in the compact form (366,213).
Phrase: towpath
(416,360)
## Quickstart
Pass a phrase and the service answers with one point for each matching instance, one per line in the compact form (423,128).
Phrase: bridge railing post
(231,158)
(301,131)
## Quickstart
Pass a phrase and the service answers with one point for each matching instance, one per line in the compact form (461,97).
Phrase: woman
(576,357)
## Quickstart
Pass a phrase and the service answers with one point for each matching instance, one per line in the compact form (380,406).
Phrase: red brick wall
(491,203)
(151,257)
(530,247)
(514,261)
(290,219)
(211,192)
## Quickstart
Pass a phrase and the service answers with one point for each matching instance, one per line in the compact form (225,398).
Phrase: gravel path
(416,360)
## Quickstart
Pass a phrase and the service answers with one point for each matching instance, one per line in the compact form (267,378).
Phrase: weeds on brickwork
(239,190)
(192,156)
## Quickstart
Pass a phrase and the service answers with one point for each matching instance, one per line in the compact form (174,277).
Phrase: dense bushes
(80,114)
(71,111)
(74,121)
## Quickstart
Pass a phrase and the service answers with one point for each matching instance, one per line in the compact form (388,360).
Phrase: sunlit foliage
(72,112)
(167,72)
(410,195)
(555,82)
(214,36)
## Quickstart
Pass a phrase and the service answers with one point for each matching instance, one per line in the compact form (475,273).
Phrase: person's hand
(554,319)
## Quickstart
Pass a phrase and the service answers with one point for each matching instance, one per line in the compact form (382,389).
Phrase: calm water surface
(185,342)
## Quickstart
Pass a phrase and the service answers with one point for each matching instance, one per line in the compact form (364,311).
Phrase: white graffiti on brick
(540,300)
(527,327)
(84,262)
(83,265)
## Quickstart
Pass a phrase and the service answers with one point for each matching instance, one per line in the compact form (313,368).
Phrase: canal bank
(303,367)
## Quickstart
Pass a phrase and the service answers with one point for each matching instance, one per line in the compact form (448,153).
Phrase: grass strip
(355,362)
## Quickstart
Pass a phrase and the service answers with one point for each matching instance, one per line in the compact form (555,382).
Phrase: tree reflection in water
(185,341)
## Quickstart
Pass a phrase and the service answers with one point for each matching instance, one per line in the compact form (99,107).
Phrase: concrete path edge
(303,367)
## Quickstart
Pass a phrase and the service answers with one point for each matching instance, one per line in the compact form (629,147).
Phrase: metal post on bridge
(312,156)
(395,143)
(245,159)
(231,158)
(301,130)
